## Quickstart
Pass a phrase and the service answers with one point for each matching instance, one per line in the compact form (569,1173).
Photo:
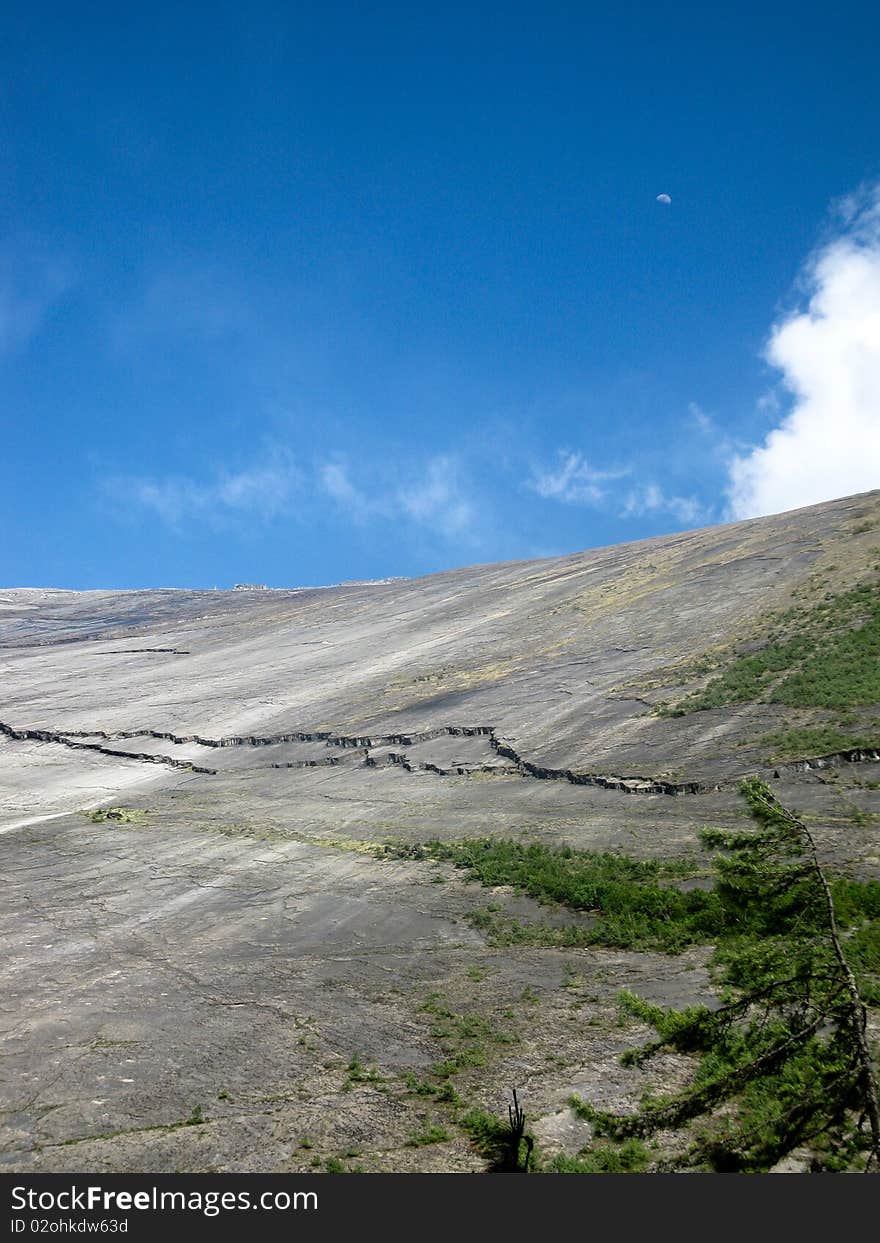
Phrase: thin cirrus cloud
(573,480)
(262,491)
(437,499)
(650,498)
(828,353)
(432,496)
(334,481)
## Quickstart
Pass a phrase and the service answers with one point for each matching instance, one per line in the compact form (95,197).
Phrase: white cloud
(437,500)
(430,495)
(433,496)
(333,478)
(828,444)
(573,481)
(261,491)
(701,420)
(650,498)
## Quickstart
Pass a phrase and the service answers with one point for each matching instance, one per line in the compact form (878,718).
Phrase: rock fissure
(144,651)
(367,744)
(64,740)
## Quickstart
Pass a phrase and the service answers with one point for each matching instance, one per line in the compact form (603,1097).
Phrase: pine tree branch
(856,1007)
(700,1100)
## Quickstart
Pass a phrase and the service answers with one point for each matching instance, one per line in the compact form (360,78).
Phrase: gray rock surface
(189,982)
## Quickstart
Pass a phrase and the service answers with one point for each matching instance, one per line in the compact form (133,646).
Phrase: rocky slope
(226,947)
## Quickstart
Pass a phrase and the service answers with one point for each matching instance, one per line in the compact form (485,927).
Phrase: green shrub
(630,1157)
(833,661)
(431,1133)
(806,741)
(634,909)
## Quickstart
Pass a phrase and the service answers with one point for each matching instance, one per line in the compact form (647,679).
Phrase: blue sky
(302,293)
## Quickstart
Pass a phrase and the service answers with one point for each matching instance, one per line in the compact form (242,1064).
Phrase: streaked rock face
(238,939)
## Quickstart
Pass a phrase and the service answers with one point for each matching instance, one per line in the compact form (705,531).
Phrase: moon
(663,198)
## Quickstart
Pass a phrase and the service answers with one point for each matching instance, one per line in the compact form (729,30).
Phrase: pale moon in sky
(663,198)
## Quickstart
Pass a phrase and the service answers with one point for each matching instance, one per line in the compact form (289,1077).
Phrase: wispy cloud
(707,440)
(573,481)
(650,498)
(828,353)
(437,499)
(432,494)
(702,421)
(31,281)
(262,492)
(334,480)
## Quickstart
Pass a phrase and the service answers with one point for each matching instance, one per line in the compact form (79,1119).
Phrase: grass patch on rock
(428,1133)
(116,815)
(636,903)
(824,656)
(816,740)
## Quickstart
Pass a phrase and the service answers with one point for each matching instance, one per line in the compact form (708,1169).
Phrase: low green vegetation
(116,815)
(783,1062)
(430,1133)
(488,1134)
(826,656)
(776,1062)
(357,1073)
(466,1039)
(501,931)
(635,903)
(817,740)
(550,874)
(505,1145)
(629,1157)
(418,1087)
